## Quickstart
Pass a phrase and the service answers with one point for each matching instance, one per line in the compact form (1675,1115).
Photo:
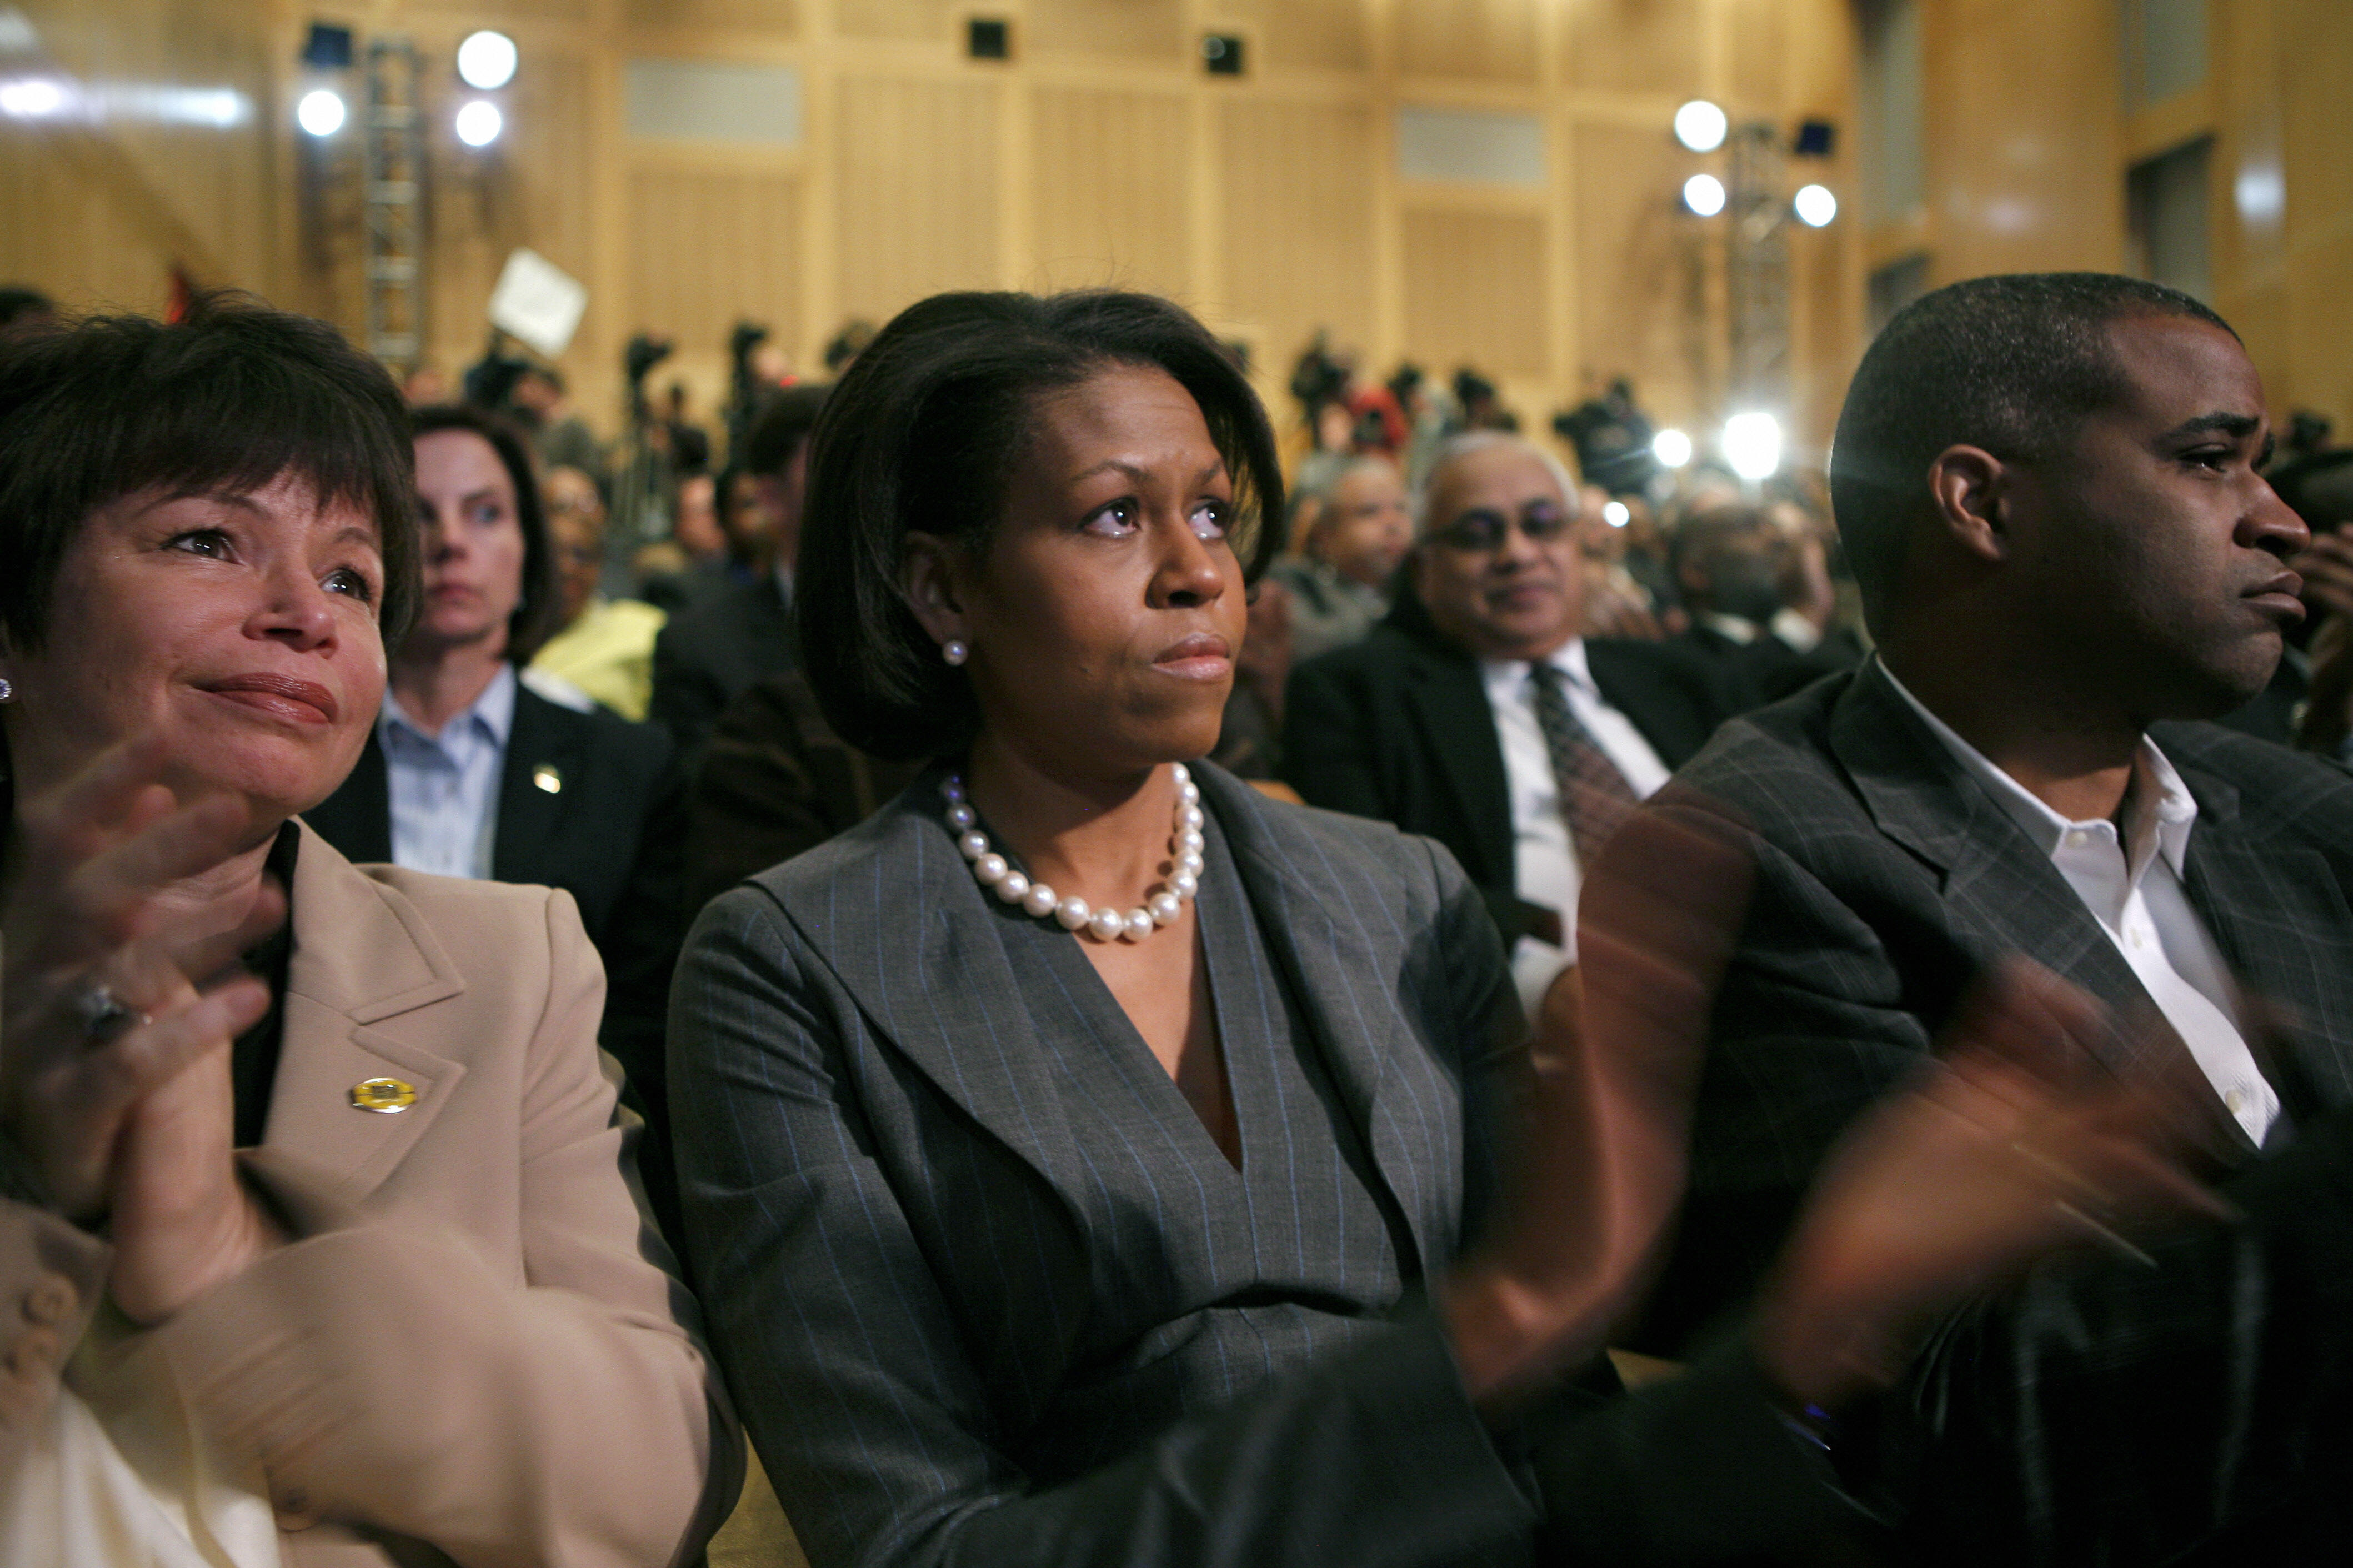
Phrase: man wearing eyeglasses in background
(1476,713)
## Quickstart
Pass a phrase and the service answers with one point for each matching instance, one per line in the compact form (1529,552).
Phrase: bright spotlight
(1615,514)
(1704,193)
(34,97)
(486,60)
(1700,125)
(1671,448)
(320,111)
(1815,205)
(480,122)
(1752,444)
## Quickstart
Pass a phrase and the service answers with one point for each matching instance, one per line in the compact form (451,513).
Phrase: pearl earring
(6,690)
(954,651)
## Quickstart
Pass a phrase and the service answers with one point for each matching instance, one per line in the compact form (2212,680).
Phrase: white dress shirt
(2133,888)
(1544,860)
(445,787)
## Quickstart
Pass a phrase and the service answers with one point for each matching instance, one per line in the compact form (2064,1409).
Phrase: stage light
(320,111)
(1700,125)
(1704,193)
(486,60)
(1752,444)
(1615,514)
(1671,448)
(480,122)
(1815,205)
(34,97)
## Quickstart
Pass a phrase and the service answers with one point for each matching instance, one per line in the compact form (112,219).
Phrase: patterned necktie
(1595,797)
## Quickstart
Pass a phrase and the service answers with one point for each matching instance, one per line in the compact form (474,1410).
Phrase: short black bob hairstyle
(2012,364)
(227,400)
(533,621)
(923,433)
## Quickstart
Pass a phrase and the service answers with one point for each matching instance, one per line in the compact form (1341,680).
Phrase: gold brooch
(385,1095)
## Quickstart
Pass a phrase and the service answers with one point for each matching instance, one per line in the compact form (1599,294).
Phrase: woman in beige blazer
(334,1255)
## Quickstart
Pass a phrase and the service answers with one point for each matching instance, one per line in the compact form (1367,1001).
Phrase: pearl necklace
(1185,843)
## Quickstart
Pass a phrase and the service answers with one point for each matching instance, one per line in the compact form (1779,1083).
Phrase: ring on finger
(104,1014)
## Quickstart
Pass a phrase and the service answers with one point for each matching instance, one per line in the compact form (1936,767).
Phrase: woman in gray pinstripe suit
(1078,1156)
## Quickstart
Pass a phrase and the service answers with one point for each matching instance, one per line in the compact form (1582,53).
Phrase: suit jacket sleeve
(877,1428)
(389,1374)
(687,697)
(1329,741)
(51,1274)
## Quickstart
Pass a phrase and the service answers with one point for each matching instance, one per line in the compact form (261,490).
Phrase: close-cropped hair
(1699,535)
(533,621)
(785,418)
(226,400)
(923,434)
(2011,364)
(1464,444)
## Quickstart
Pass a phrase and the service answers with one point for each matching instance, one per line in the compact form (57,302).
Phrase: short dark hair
(786,416)
(923,433)
(1699,535)
(533,621)
(229,399)
(2012,364)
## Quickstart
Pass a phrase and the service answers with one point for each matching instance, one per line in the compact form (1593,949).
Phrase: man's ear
(1969,491)
(928,570)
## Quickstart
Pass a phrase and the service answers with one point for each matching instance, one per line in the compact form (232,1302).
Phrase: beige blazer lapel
(362,955)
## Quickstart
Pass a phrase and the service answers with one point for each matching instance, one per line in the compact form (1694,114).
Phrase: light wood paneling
(1641,261)
(1112,189)
(1635,46)
(708,248)
(775,18)
(1474,291)
(1296,35)
(916,182)
(1118,29)
(1757,53)
(895,18)
(1485,40)
(1297,215)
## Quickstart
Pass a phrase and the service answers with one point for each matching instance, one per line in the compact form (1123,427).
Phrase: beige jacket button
(50,1299)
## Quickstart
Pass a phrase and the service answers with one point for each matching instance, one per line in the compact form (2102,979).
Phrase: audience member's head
(424,386)
(489,569)
(575,533)
(220,582)
(743,515)
(776,454)
(2060,470)
(538,392)
(696,524)
(24,310)
(1363,524)
(1043,481)
(1733,561)
(1498,564)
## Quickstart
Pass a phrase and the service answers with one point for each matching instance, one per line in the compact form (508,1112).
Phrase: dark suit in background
(1397,727)
(715,646)
(1765,668)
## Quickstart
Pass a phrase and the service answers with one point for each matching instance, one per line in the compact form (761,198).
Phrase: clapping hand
(118,1005)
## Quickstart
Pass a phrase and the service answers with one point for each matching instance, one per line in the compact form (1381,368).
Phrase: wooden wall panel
(1487,40)
(928,19)
(1309,34)
(710,246)
(1474,291)
(776,18)
(1757,53)
(916,186)
(1641,263)
(1297,215)
(1133,29)
(1635,46)
(1111,189)
(88,251)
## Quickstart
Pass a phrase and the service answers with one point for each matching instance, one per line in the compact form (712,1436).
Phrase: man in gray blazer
(2048,487)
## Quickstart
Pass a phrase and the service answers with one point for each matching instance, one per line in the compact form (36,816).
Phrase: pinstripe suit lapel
(1325,923)
(2001,894)
(913,941)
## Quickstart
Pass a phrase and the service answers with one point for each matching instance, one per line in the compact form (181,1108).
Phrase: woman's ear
(927,578)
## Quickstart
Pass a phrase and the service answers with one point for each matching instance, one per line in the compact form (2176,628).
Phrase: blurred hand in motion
(2327,566)
(1614,1061)
(2015,1144)
(118,1006)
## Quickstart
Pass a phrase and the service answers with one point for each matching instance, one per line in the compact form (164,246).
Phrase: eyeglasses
(1480,530)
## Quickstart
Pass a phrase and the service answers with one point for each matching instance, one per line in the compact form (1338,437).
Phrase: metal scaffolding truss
(1758,269)
(393,176)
